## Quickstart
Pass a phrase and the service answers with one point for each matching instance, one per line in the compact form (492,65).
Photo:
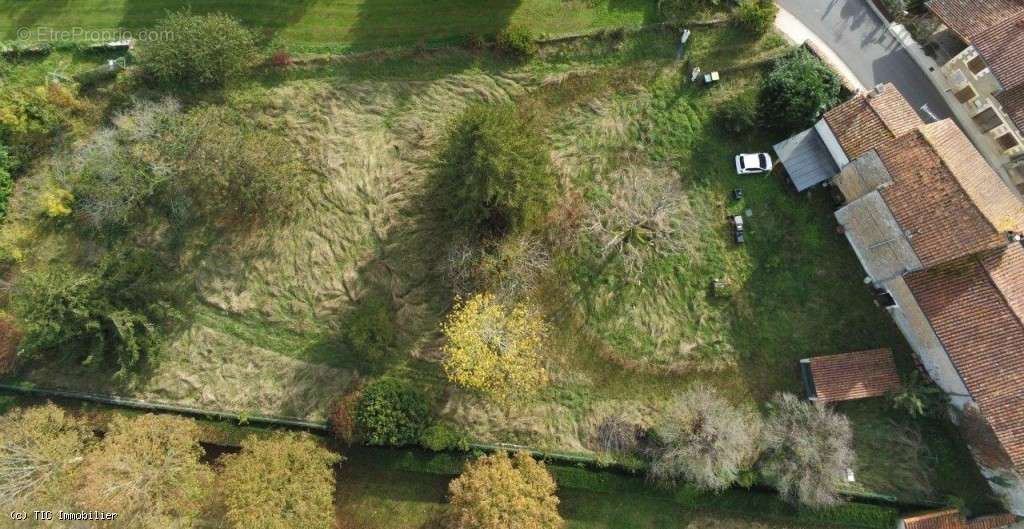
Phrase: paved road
(861,40)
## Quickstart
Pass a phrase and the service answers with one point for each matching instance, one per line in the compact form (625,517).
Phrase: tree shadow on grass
(26,14)
(397,23)
(265,18)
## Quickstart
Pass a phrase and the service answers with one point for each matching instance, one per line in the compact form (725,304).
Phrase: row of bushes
(392,412)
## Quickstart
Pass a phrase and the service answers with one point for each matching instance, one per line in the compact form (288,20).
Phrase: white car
(753,163)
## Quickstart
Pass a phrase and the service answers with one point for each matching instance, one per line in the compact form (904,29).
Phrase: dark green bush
(516,41)
(197,50)
(756,16)
(493,175)
(110,318)
(796,91)
(440,437)
(391,412)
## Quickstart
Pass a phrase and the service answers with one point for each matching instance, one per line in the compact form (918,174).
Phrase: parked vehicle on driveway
(738,234)
(753,163)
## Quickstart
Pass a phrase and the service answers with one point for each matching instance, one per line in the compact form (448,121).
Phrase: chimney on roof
(877,90)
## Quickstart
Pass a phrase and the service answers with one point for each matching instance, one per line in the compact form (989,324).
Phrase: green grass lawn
(336,24)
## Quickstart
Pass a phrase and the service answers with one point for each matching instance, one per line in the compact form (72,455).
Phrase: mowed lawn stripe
(356,24)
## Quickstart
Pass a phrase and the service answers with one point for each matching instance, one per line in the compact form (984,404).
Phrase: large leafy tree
(197,50)
(807,451)
(285,481)
(110,318)
(707,441)
(499,492)
(494,349)
(797,90)
(493,172)
(40,447)
(148,469)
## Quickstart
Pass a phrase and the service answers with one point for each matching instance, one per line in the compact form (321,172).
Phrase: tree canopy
(707,441)
(807,451)
(285,481)
(499,492)
(797,90)
(148,469)
(40,447)
(494,349)
(493,173)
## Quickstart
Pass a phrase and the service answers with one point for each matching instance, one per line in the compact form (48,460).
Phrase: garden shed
(809,158)
(849,376)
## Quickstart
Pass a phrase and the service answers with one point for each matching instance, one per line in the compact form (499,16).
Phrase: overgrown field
(335,24)
(354,283)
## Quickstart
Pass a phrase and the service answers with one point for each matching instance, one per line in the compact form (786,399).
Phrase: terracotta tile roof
(975,306)
(857,375)
(952,519)
(970,17)
(869,120)
(1000,46)
(1013,104)
(945,196)
(946,519)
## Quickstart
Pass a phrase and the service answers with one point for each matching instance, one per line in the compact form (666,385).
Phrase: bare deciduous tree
(647,215)
(707,440)
(807,451)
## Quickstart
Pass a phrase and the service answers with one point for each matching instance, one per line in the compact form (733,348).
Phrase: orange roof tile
(868,120)
(952,519)
(945,196)
(975,306)
(970,17)
(856,375)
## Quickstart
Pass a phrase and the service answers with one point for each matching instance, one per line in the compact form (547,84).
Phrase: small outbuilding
(809,158)
(849,376)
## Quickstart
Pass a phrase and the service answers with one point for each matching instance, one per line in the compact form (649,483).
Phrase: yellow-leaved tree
(495,349)
(498,492)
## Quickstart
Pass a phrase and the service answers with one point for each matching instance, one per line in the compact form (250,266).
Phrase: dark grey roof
(806,159)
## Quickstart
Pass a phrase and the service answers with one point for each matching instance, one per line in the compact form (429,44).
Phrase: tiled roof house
(987,77)
(936,229)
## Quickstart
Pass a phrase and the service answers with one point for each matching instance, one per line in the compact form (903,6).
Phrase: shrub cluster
(30,119)
(210,163)
(796,91)
(516,41)
(197,50)
(756,16)
(391,412)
